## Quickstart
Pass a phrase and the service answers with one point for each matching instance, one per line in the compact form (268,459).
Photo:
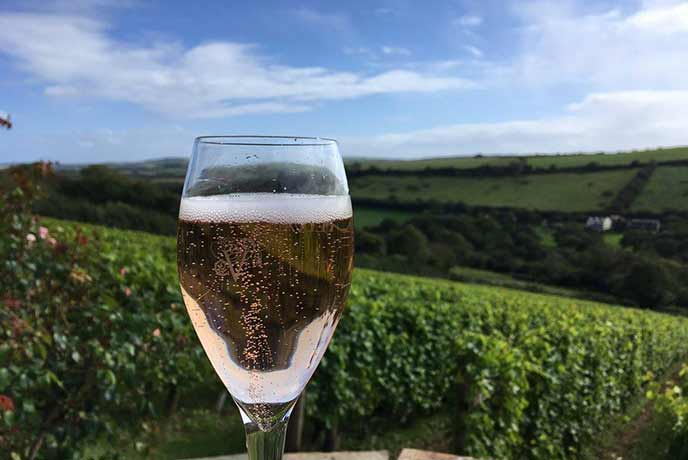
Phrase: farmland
(367,217)
(667,189)
(515,375)
(435,221)
(562,191)
(539,161)
(538,363)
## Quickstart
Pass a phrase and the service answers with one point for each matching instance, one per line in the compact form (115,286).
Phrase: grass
(644,156)
(613,239)
(559,192)
(367,217)
(490,278)
(188,434)
(613,443)
(638,434)
(540,161)
(466,162)
(432,432)
(667,189)
(200,433)
(546,236)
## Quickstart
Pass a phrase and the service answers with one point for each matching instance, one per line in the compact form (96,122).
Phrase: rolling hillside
(667,189)
(540,161)
(551,192)
(548,370)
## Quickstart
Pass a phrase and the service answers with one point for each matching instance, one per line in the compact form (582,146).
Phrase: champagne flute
(265,255)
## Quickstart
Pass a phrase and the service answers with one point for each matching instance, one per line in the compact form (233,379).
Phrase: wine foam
(277,208)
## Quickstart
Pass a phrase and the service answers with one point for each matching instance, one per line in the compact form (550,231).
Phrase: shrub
(411,242)
(369,243)
(93,334)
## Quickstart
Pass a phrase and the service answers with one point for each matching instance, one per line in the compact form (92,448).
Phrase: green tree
(411,242)
(369,243)
(649,285)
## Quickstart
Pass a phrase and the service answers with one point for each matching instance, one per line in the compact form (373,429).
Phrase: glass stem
(266,445)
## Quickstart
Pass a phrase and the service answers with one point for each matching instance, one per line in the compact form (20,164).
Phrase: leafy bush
(369,243)
(102,195)
(93,336)
(411,242)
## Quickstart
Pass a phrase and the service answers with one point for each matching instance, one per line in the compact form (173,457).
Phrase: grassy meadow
(539,161)
(365,216)
(666,189)
(561,192)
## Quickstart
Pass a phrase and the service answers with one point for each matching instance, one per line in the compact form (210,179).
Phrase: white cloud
(357,50)
(333,21)
(468,20)
(395,50)
(667,19)
(610,49)
(474,51)
(601,121)
(75,56)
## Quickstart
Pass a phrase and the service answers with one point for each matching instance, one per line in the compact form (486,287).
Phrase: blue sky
(104,80)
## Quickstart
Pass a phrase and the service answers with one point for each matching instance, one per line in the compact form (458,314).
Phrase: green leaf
(4,378)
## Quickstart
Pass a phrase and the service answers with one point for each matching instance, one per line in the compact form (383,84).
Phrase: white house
(598,224)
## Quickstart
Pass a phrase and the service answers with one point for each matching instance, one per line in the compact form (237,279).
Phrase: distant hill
(541,161)
(647,181)
(159,168)
(566,182)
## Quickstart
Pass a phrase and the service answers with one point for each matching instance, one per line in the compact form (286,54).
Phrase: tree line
(648,269)
(516,167)
(642,271)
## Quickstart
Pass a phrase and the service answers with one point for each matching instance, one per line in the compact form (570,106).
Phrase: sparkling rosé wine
(264,279)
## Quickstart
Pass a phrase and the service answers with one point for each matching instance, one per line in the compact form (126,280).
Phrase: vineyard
(98,338)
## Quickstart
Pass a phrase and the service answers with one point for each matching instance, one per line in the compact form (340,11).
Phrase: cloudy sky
(102,80)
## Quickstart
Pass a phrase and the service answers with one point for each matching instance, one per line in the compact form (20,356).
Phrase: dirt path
(625,438)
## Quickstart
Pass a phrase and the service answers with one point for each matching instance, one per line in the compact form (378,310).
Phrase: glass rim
(263,140)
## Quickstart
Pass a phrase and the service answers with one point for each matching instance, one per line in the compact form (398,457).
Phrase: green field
(539,161)
(561,192)
(643,156)
(490,278)
(613,239)
(450,162)
(367,217)
(667,189)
